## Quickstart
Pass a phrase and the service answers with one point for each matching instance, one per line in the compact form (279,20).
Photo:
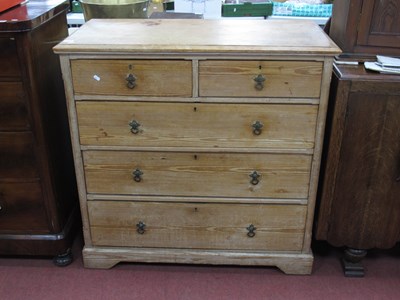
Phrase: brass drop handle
(251,230)
(254,178)
(134,126)
(257,127)
(140,227)
(137,175)
(259,79)
(130,81)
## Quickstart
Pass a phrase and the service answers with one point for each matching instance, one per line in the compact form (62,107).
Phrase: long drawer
(13,107)
(9,58)
(197,225)
(22,208)
(132,77)
(197,125)
(254,175)
(232,78)
(17,156)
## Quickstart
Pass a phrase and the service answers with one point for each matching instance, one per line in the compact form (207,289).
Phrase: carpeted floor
(38,278)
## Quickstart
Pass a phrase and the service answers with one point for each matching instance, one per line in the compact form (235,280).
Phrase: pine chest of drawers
(197,141)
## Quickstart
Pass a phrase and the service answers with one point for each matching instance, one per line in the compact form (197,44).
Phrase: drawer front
(194,174)
(148,77)
(13,108)
(197,225)
(298,79)
(9,58)
(17,158)
(197,125)
(22,208)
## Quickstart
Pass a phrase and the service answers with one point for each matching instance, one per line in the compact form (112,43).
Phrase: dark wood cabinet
(366,27)
(38,197)
(359,195)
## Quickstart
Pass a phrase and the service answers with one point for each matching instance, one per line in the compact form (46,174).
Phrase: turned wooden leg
(352,266)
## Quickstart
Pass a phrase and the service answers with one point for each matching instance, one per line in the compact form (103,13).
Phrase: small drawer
(197,125)
(197,225)
(17,156)
(132,77)
(249,175)
(9,59)
(292,79)
(13,107)
(21,208)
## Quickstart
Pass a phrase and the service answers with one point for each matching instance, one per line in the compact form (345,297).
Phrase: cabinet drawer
(22,208)
(197,225)
(17,157)
(229,78)
(149,77)
(197,125)
(193,174)
(9,58)
(13,109)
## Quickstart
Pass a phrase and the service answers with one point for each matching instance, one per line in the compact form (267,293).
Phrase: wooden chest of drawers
(197,141)
(39,212)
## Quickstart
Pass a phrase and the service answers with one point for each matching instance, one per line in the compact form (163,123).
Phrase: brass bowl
(114,9)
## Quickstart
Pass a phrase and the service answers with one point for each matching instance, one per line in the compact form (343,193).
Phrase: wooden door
(380,24)
(360,202)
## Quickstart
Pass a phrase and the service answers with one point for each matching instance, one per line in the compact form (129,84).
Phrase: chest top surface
(198,35)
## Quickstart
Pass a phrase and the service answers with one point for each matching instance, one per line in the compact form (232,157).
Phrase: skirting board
(106,257)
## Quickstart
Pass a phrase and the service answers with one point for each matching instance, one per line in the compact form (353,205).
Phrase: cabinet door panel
(368,187)
(380,23)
